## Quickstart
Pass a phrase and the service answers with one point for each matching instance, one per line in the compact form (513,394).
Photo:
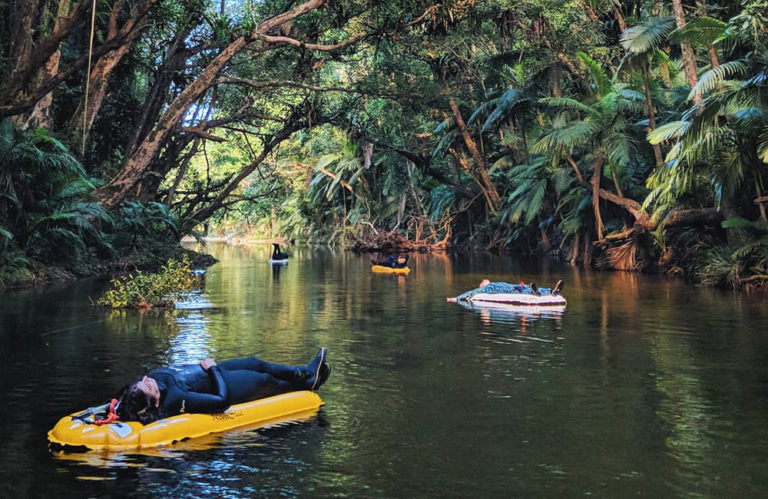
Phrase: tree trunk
(99,77)
(689,58)
(619,17)
(494,200)
(135,166)
(713,59)
(98,90)
(616,184)
(158,93)
(114,192)
(598,172)
(554,79)
(642,219)
(39,115)
(651,111)
(575,250)
(587,252)
(28,58)
(180,174)
(546,245)
(21,45)
(758,191)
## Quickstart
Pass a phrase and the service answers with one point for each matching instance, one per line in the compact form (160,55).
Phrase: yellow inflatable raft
(74,430)
(381,269)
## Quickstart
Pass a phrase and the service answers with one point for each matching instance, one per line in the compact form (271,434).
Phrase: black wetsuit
(277,254)
(391,262)
(192,389)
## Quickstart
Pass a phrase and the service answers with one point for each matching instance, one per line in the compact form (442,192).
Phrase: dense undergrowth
(52,228)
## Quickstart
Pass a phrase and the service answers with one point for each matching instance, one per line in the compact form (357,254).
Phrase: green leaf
(699,31)
(717,76)
(648,35)
(567,103)
(600,79)
(674,129)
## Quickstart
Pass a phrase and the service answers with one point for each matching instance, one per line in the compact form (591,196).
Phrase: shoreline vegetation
(628,136)
(147,290)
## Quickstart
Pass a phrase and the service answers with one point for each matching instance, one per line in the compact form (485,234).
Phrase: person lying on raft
(277,254)
(211,388)
(396,263)
(489,287)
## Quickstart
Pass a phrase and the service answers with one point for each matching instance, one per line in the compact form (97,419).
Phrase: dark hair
(135,405)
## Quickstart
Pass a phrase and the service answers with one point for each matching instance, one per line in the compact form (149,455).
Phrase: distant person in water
(211,388)
(277,254)
(489,287)
(392,261)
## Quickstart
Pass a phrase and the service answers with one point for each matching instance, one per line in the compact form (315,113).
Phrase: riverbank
(149,259)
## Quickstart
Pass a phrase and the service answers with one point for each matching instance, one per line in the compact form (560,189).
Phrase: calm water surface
(643,386)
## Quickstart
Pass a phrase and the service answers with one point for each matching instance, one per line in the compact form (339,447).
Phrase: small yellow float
(381,269)
(78,430)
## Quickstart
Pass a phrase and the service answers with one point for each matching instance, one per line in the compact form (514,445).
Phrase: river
(643,386)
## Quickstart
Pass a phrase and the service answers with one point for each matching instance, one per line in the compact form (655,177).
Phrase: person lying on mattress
(209,387)
(489,287)
(277,254)
(398,262)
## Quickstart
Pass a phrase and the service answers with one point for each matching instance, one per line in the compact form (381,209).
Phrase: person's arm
(210,403)
(469,294)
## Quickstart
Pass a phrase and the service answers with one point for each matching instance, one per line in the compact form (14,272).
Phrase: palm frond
(699,31)
(716,76)
(600,79)
(762,148)
(567,103)
(648,35)
(668,131)
(446,125)
(571,135)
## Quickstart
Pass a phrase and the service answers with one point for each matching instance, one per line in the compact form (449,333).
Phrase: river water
(643,386)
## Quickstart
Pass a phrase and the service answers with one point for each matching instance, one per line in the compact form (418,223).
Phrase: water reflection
(643,386)
(503,312)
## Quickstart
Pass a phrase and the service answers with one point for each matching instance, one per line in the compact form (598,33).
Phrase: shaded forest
(619,135)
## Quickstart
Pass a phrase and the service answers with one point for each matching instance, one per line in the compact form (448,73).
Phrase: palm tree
(726,142)
(602,125)
(511,108)
(642,42)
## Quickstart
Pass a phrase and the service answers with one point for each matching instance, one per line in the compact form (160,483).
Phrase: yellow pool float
(381,269)
(75,430)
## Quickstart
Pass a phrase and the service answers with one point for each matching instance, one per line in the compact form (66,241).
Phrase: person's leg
(246,385)
(291,374)
(308,377)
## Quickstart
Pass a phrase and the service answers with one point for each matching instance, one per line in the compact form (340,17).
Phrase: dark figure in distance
(277,254)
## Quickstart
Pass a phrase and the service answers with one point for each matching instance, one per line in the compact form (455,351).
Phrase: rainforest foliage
(623,135)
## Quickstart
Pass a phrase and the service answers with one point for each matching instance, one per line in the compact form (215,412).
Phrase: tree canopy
(625,135)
